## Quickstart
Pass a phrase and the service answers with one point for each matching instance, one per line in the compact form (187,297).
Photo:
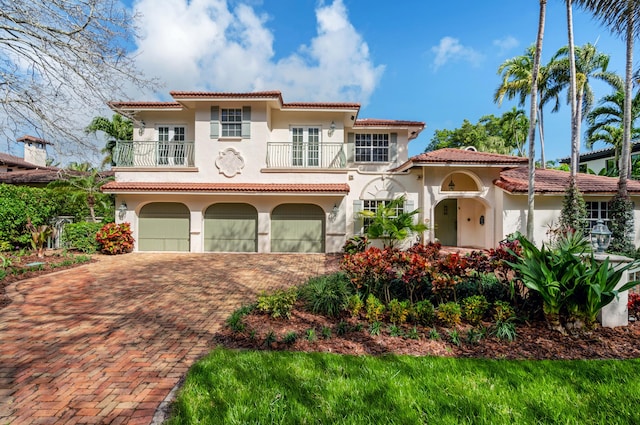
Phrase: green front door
(163,226)
(297,228)
(231,228)
(446,217)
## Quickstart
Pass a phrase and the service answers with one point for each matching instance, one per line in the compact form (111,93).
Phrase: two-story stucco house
(247,172)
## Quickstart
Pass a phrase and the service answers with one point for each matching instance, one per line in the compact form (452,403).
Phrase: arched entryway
(231,227)
(462,222)
(163,226)
(297,228)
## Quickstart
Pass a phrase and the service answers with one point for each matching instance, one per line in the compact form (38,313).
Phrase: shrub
(115,238)
(474,308)
(449,314)
(374,309)
(17,203)
(326,295)
(355,244)
(503,311)
(423,313)
(504,330)
(395,331)
(279,303)
(454,337)
(235,320)
(354,305)
(375,328)
(398,311)
(290,337)
(413,333)
(81,236)
(634,305)
(5,246)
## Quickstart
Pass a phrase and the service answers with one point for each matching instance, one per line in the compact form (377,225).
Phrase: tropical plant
(279,303)
(474,308)
(115,238)
(81,236)
(391,223)
(326,295)
(398,311)
(504,330)
(374,309)
(355,244)
(423,312)
(574,209)
(39,236)
(449,313)
(118,128)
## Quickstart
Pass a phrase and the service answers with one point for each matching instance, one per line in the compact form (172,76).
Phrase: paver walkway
(106,342)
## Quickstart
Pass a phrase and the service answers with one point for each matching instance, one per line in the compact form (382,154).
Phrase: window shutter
(246,122)
(351,147)
(215,122)
(393,147)
(357,219)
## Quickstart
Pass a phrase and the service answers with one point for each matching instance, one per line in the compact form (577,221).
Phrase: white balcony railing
(305,155)
(153,153)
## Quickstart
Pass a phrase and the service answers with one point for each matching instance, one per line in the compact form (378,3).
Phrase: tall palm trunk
(625,159)
(543,160)
(533,120)
(575,136)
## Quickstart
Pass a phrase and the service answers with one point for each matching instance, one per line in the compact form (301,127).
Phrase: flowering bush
(115,238)
(634,305)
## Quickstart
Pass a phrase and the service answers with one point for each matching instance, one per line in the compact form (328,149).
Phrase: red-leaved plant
(115,238)
(634,305)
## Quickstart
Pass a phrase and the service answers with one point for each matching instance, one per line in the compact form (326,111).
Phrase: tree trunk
(625,157)
(533,121)
(575,137)
(543,161)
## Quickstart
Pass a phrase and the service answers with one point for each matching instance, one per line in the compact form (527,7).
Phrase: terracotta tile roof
(144,105)
(119,187)
(515,180)
(36,176)
(275,94)
(461,157)
(371,122)
(28,138)
(321,105)
(15,161)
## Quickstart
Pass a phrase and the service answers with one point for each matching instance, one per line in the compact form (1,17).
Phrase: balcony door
(171,149)
(305,149)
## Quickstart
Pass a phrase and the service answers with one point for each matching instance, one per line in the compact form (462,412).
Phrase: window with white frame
(371,147)
(372,206)
(305,146)
(596,210)
(231,121)
(171,149)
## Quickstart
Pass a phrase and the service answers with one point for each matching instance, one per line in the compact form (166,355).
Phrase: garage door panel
(164,226)
(297,228)
(231,228)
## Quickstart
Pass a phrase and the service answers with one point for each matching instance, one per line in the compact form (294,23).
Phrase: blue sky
(413,59)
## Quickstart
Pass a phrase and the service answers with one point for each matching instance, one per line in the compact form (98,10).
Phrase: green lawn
(248,387)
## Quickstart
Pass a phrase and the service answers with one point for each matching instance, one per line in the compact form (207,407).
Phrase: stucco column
(264,231)
(615,313)
(195,231)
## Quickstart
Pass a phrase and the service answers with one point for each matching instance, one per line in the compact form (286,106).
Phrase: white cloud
(207,45)
(450,50)
(506,44)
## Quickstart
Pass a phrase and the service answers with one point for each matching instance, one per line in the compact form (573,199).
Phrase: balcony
(152,154)
(305,155)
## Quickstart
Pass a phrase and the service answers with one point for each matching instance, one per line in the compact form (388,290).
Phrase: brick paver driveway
(106,342)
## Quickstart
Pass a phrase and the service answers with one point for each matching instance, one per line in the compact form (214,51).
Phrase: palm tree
(118,128)
(532,118)
(589,64)
(516,83)
(606,122)
(84,181)
(514,125)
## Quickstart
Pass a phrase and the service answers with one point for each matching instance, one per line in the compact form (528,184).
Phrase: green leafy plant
(355,244)
(326,332)
(326,295)
(115,238)
(504,330)
(342,328)
(395,331)
(310,335)
(423,313)
(354,305)
(454,337)
(503,311)
(279,303)
(5,246)
(290,337)
(39,236)
(270,338)
(81,236)
(375,328)
(398,311)
(449,314)
(235,320)
(434,335)
(391,226)
(374,309)
(474,335)
(413,333)
(474,308)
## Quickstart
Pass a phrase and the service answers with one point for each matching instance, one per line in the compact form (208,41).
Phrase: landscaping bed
(19,266)
(533,341)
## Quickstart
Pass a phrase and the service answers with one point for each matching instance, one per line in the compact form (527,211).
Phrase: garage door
(163,226)
(231,228)
(297,228)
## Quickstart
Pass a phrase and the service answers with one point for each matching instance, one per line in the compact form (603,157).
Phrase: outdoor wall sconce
(332,128)
(452,185)
(482,220)
(600,237)
(142,127)
(122,210)
(334,213)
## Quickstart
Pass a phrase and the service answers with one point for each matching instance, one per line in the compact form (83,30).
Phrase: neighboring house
(31,170)
(247,172)
(603,159)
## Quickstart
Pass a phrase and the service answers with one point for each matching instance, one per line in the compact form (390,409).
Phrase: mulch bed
(534,340)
